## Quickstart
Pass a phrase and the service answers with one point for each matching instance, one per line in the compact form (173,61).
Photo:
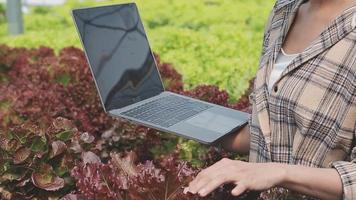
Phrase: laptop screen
(119,55)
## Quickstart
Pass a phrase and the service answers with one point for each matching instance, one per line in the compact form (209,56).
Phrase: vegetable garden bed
(56,139)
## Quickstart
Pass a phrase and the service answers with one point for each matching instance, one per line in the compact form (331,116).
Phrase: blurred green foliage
(209,41)
(2,14)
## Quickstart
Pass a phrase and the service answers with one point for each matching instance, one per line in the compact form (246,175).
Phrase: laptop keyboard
(167,111)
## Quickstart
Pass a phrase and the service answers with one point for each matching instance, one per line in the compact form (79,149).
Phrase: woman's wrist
(284,172)
(322,183)
(239,141)
(280,173)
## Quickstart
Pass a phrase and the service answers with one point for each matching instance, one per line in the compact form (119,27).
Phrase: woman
(301,134)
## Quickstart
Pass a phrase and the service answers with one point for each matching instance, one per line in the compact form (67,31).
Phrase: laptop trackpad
(214,122)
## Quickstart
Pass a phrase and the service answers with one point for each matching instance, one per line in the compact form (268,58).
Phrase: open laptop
(129,84)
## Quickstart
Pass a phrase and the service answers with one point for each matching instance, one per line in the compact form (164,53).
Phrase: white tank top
(282,61)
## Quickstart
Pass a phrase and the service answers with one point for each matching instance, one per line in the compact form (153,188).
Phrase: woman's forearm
(237,142)
(323,183)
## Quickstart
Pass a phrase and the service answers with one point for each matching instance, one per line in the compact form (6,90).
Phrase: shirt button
(275,88)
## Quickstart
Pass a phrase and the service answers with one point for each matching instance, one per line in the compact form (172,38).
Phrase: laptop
(129,83)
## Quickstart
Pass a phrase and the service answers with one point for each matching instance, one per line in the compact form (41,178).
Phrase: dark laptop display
(115,43)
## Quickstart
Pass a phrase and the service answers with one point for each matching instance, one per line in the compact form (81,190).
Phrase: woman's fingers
(214,183)
(249,176)
(224,171)
(208,175)
(239,189)
(213,177)
(203,179)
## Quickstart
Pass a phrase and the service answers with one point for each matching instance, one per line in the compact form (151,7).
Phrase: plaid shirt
(310,115)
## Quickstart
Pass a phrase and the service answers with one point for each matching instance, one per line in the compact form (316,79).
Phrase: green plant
(36,161)
(2,13)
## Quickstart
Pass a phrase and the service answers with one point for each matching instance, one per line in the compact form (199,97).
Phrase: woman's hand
(246,176)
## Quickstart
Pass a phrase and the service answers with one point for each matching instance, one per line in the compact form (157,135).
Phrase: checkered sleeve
(347,171)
